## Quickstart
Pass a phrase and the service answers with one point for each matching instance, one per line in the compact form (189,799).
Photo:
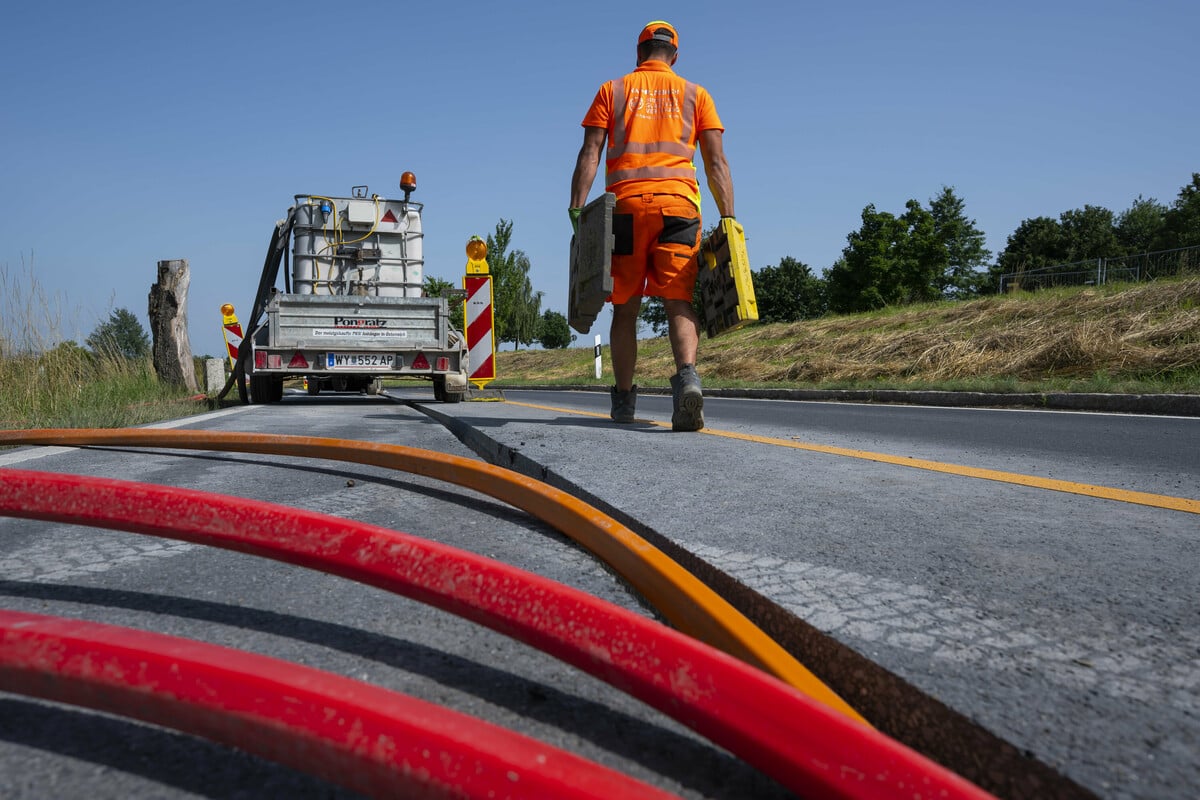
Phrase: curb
(1182,405)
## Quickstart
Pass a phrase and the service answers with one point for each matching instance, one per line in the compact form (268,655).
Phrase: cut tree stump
(172,350)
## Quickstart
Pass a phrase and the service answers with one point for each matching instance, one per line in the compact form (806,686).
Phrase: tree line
(937,252)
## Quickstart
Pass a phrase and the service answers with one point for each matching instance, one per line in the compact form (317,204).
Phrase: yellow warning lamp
(227,317)
(477,256)
(408,183)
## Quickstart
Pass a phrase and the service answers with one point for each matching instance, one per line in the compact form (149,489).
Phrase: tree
(966,257)
(654,314)
(889,260)
(1037,242)
(653,311)
(434,287)
(516,306)
(1181,223)
(1089,233)
(788,292)
(1139,225)
(120,336)
(554,333)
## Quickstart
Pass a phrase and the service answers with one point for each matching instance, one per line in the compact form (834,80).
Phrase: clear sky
(135,132)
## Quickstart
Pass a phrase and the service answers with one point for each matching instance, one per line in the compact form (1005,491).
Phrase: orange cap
(659,31)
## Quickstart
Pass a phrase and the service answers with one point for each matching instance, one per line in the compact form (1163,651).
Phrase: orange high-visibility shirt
(652,142)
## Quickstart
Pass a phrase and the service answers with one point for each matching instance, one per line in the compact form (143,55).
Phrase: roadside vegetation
(915,302)
(1139,338)
(48,381)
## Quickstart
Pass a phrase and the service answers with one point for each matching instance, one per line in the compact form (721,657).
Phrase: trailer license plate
(355,360)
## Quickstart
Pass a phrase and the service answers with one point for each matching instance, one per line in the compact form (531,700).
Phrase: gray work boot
(623,404)
(689,400)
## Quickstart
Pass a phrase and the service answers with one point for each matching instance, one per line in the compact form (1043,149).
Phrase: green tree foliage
(1082,234)
(923,254)
(654,314)
(788,292)
(1181,223)
(434,287)
(1037,242)
(120,336)
(517,307)
(554,333)
(1140,225)
(890,260)
(966,256)
(1089,232)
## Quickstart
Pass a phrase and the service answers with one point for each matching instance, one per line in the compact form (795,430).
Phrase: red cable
(378,742)
(814,751)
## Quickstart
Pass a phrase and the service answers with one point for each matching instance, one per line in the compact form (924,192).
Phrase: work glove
(574,213)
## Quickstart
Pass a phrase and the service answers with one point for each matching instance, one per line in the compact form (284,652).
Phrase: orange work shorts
(657,237)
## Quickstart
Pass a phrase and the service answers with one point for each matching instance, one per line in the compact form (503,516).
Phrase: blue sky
(135,132)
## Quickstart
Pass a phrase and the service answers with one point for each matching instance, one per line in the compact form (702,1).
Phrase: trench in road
(894,705)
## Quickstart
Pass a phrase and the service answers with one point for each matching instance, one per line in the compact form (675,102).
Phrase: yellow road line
(1070,487)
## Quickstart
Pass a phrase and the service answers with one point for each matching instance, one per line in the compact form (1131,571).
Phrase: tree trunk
(172,349)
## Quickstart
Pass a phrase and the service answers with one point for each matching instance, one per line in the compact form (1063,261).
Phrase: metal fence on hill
(1099,271)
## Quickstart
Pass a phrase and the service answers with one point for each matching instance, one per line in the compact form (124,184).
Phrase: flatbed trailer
(351,311)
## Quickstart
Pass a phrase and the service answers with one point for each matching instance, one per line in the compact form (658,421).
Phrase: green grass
(76,390)
(49,381)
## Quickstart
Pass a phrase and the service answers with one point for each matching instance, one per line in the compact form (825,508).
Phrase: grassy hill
(1140,338)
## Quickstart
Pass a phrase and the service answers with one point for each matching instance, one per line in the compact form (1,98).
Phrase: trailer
(351,311)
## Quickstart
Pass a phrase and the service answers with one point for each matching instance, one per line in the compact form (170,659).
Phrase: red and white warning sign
(232,330)
(479,318)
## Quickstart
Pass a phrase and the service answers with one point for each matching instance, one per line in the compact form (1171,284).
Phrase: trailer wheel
(265,389)
(314,385)
(441,395)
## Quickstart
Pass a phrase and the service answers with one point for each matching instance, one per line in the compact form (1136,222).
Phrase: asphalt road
(1062,623)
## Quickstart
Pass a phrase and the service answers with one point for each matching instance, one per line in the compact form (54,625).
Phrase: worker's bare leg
(683,327)
(622,338)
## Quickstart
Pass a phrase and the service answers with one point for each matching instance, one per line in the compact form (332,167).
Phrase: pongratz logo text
(354,322)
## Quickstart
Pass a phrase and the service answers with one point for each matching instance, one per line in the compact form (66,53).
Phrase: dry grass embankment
(1142,338)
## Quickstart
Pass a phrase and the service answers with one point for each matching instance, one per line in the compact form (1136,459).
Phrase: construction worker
(653,120)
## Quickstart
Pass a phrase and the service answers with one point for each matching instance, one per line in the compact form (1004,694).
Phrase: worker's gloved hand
(574,213)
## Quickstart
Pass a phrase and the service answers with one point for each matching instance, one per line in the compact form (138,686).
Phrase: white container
(361,247)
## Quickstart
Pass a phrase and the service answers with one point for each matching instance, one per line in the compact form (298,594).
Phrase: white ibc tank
(309,220)
(401,265)
(357,246)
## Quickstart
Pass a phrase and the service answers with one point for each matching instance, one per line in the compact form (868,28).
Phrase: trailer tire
(265,389)
(314,385)
(441,395)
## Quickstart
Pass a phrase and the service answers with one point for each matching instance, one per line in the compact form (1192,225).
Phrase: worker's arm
(586,165)
(716,167)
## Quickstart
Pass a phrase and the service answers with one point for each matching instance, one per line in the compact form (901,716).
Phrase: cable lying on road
(679,596)
(371,740)
(806,746)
